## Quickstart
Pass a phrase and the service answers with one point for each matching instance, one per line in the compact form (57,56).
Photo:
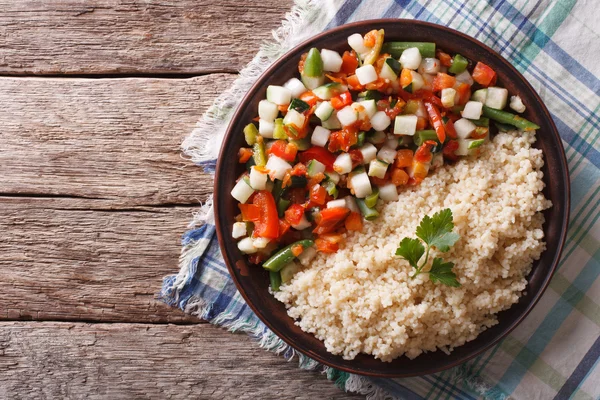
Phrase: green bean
(285,255)
(369,213)
(395,49)
(459,64)
(250,134)
(483,121)
(275,278)
(371,200)
(421,136)
(313,65)
(508,118)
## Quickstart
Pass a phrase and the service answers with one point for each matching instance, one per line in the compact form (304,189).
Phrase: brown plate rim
(562,160)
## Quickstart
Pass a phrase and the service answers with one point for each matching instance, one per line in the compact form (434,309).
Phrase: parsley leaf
(411,250)
(442,272)
(437,232)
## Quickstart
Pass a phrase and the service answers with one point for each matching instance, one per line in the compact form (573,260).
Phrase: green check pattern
(555,352)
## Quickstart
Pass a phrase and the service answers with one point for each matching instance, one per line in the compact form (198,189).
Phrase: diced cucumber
(343,164)
(370,95)
(242,190)
(258,179)
(299,105)
(347,116)
(361,185)
(312,82)
(390,69)
(295,118)
(467,147)
(307,255)
(329,90)
(336,203)
(377,137)
(239,230)
(496,97)
(417,81)
(366,74)
(387,154)
(472,110)
(295,86)
(332,61)
(324,111)
(517,104)
(246,246)
(378,168)
(277,167)
(405,125)
(369,152)
(479,95)
(332,122)
(411,58)
(391,141)
(288,272)
(370,108)
(331,188)
(429,66)
(266,128)
(279,95)
(320,136)
(356,42)
(267,110)
(464,128)
(302,144)
(315,167)
(388,192)
(448,97)
(303,224)
(333,177)
(437,160)
(465,77)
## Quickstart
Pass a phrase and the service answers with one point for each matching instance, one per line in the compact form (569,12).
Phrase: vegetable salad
(350,130)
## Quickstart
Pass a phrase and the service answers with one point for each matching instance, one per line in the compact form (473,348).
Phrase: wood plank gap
(124,75)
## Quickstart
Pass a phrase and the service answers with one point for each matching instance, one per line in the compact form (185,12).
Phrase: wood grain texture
(127,361)
(82,259)
(116,139)
(133,36)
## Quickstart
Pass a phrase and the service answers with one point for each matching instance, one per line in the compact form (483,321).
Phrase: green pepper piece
(278,131)
(282,205)
(313,65)
(250,134)
(459,64)
(260,155)
(285,255)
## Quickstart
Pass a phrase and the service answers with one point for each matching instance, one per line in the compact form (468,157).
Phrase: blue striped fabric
(555,352)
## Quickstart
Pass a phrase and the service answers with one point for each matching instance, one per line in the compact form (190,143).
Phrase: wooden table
(94,196)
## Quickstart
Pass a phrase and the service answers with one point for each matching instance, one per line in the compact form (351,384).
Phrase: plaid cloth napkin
(554,353)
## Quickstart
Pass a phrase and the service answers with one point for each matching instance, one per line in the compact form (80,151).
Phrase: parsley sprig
(435,232)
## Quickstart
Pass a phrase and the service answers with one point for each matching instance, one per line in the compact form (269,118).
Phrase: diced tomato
(427,95)
(320,154)
(343,140)
(250,212)
(356,157)
(284,227)
(298,170)
(354,222)
(284,149)
(445,58)
(330,219)
(399,177)
(405,77)
(342,100)
(309,98)
(370,38)
(423,153)
(449,125)
(421,123)
(349,62)
(316,179)
(297,250)
(297,195)
(483,74)
(480,132)
(294,213)
(404,158)
(450,149)
(436,120)
(464,93)
(380,84)
(245,154)
(443,81)
(325,246)
(267,225)
(354,83)
(318,194)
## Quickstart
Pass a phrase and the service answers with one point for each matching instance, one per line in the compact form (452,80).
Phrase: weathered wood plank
(116,139)
(80,259)
(133,37)
(126,361)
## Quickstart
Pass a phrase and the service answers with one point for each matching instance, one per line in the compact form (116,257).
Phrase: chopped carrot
(354,222)
(404,158)
(245,154)
(399,177)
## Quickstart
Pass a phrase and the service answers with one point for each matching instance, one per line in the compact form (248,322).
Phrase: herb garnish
(435,232)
